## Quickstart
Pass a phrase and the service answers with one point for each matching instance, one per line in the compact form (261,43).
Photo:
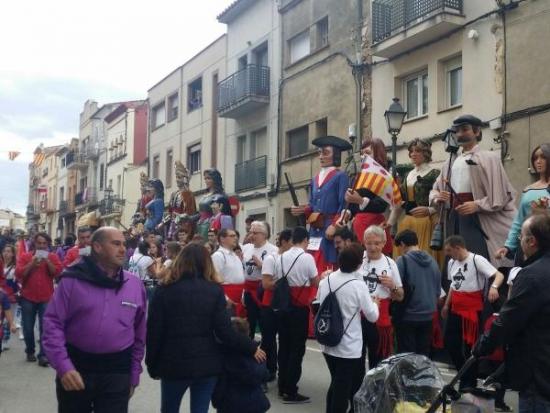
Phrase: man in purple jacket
(94,330)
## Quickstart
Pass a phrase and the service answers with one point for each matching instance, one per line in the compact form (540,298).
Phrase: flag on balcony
(379,181)
(13,154)
(38,158)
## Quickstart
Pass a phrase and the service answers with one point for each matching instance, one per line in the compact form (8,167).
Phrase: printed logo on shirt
(458,277)
(129,304)
(373,280)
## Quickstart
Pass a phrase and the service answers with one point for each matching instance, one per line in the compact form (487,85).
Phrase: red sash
(467,306)
(498,354)
(266,299)
(235,293)
(437,332)
(384,327)
(251,287)
(300,296)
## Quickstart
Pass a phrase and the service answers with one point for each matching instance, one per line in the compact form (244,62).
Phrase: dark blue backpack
(329,323)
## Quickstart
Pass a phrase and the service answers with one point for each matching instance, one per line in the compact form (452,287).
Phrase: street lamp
(395,115)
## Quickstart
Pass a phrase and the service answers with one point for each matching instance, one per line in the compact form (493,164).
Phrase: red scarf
(235,293)
(384,327)
(467,306)
(437,332)
(251,287)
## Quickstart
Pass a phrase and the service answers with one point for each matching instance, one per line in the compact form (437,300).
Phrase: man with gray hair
(253,257)
(94,329)
(381,275)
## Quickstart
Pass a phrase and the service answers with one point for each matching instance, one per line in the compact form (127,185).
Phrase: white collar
(422,167)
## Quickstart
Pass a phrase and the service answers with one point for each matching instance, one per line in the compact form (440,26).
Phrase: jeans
(343,376)
(414,337)
(172,391)
(532,403)
(30,310)
(293,326)
(103,393)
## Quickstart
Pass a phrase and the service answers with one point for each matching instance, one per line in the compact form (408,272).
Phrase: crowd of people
(224,315)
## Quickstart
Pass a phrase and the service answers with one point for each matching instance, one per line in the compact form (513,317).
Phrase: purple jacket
(95,318)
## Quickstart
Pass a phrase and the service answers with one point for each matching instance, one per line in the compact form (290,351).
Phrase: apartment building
(70,163)
(184,124)
(441,59)
(318,89)
(126,157)
(49,204)
(248,99)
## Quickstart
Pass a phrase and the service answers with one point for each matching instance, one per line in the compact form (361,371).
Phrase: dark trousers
(370,343)
(459,350)
(252,313)
(29,311)
(293,326)
(268,326)
(343,376)
(172,391)
(103,393)
(414,337)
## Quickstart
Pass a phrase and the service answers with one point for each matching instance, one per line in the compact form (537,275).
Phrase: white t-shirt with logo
(371,270)
(252,272)
(139,265)
(303,271)
(228,266)
(463,274)
(354,297)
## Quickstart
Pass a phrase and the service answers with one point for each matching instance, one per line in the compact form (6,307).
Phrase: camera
(450,141)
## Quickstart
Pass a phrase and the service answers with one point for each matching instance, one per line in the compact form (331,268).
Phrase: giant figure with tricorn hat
(326,200)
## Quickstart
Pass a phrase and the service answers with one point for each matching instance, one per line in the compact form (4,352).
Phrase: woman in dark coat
(186,328)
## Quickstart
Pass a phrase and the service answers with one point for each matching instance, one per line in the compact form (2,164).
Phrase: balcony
(66,207)
(401,25)
(76,160)
(251,174)
(91,154)
(34,182)
(86,197)
(111,205)
(31,212)
(243,92)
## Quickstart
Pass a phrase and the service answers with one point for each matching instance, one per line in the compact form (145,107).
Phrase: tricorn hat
(333,141)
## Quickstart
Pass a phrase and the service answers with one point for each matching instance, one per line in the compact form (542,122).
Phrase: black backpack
(398,308)
(329,323)
(281,300)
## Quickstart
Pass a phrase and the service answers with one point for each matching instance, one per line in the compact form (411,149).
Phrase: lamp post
(395,115)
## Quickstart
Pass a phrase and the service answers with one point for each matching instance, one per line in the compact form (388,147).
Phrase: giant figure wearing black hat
(326,200)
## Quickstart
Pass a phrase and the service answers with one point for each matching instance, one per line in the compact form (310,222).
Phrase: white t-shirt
(9,272)
(228,266)
(354,297)
(269,266)
(463,276)
(301,273)
(139,264)
(371,270)
(252,272)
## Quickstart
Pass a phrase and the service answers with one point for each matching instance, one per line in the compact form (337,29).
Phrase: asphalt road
(27,388)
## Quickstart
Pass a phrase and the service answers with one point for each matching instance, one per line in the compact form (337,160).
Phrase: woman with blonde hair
(187,320)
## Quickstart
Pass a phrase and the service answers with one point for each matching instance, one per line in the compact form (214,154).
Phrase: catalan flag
(13,154)
(376,179)
(39,158)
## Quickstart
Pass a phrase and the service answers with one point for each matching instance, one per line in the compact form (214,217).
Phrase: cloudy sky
(56,54)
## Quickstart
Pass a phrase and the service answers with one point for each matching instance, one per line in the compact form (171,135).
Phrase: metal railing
(391,16)
(110,205)
(251,81)
(74,158)
(88,196)
(251,174)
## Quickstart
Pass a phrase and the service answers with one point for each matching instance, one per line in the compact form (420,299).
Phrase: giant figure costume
(155,207)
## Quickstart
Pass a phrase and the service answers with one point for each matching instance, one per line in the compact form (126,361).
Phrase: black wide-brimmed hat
(333,141)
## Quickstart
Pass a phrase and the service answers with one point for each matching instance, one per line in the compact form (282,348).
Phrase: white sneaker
(5,345)
(21,337)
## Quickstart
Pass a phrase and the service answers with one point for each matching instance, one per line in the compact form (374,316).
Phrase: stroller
(411,383)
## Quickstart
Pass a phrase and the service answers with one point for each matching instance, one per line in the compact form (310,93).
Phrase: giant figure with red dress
(326,200)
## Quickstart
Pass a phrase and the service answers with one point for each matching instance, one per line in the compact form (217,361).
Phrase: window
(169,162)
(261,56)
(321,128)
(194,158)
(322,33)
(101,176)
(119,185)
(194,95)
(159,116)
(258,140)
(173,103)
(156,166)
(241,149)
(297,141)
(299,46)
(416,95)
(453,82)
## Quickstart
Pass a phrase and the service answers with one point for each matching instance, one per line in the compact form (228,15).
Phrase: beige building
(12,220)
(441,59)
(184,124)
(318,92)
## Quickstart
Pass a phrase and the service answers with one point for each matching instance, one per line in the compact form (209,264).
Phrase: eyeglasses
(522,237)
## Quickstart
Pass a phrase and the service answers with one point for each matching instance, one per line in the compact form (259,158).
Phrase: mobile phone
(42,254)
(85,251)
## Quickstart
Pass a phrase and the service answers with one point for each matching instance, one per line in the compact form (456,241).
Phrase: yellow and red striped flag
(39,158)
(13,154)
(376,179)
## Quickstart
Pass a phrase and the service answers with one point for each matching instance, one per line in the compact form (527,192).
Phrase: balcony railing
(91,153)
(251,174)
(111,205)
(243,91)
(66,207)
(76,160)
(390,17)
(88,196)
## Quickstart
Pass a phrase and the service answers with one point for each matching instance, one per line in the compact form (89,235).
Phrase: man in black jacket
(523,325)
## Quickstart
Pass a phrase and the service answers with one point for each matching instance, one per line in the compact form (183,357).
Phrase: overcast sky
(56,54)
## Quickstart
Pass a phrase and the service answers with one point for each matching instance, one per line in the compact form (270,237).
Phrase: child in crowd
(5,313)
(239,388)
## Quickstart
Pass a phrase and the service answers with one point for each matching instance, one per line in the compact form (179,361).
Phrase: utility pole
(357,71)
